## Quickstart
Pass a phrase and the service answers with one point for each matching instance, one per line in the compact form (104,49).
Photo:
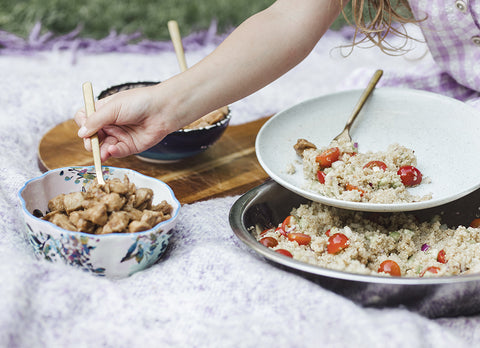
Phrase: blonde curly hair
(377,19)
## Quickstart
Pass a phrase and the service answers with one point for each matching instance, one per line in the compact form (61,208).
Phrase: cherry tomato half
(441,257)
(378,164)
(409,175)
(321,176)
(337,242)
(475,223)
(327,157)
(284,252)
(289,224)
(266,231)
(390,267)
(300,238)
(269,242)
(431,269)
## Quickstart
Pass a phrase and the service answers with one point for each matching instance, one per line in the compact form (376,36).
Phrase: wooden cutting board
(228,167)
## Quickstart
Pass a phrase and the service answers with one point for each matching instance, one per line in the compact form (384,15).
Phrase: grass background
(150,17)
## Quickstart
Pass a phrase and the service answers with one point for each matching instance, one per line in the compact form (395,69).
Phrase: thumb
(105,114)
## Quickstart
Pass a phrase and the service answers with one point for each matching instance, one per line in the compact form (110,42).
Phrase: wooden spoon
(90,109)
(176,38)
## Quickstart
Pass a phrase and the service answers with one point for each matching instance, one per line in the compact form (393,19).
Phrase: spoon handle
(176,38)
(90,109)
(363,98)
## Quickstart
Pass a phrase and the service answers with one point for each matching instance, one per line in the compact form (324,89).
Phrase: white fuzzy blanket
(210,290)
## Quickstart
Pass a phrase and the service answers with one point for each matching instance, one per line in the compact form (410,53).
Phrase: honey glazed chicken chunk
(116,207)
(143,198)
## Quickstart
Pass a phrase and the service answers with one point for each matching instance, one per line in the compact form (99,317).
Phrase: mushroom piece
(302,145)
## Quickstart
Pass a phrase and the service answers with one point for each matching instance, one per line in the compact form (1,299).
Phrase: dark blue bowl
(185,143)
(179,144)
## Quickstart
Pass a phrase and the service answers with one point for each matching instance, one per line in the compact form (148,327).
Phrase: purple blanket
(210,290)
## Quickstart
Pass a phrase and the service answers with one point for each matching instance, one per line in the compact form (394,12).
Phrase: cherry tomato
(410,175)
(431,269)
(300,238)
(378,164)
(321,176)
(475,223)
(390,267)
(327,157)
(284,252)
(441,257)
(269,242)
(350,187)
(327,233)
(337,242)
(289,224)
(265,231)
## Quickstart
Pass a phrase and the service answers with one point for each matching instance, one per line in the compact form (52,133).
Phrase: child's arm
(259,51)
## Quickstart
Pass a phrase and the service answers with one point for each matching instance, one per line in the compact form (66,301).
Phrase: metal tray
(268,204)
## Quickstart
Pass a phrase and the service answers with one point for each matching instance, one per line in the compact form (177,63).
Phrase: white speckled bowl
(114,255)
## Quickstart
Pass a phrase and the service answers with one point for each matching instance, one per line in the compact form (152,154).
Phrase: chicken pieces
(117,206)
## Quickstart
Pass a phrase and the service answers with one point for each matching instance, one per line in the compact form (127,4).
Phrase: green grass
(149,17)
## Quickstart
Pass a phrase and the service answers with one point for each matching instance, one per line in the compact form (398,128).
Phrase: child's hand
(128,122)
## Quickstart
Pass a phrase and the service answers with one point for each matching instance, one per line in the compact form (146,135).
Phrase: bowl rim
(90,235)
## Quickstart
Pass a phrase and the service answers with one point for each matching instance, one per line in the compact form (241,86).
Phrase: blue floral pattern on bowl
(83,175)
(73,250)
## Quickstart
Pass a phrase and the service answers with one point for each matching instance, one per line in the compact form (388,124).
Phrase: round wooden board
(229,167)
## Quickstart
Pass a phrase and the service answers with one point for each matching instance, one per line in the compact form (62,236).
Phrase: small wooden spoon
(90,109)
(176,38)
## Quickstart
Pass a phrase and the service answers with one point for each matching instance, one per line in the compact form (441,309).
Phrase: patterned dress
(452,32)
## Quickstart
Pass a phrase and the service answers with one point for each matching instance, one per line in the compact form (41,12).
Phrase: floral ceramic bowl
(113,255)
(185,142)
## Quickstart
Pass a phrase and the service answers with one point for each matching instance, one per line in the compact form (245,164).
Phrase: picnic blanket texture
(209,290)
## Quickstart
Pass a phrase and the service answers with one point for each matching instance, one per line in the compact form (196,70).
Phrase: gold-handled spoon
(90,109)
(363,98)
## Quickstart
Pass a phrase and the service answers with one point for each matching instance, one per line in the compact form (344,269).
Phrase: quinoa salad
(340,171)
(390,244)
